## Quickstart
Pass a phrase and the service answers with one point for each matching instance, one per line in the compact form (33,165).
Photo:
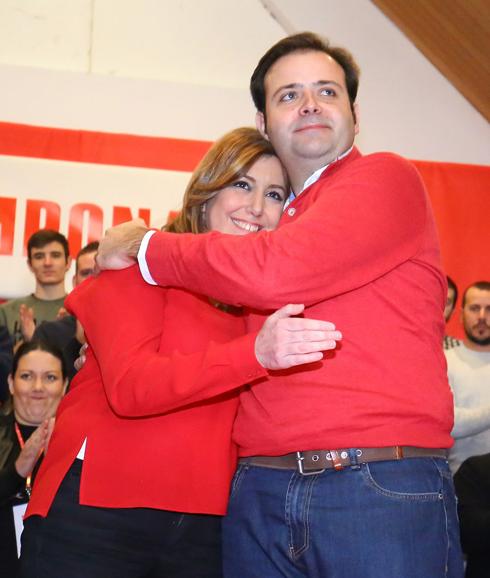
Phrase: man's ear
(28,261)
(356,118)
(68,262)
(260,124)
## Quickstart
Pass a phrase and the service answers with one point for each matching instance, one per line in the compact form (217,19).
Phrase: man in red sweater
(343,468)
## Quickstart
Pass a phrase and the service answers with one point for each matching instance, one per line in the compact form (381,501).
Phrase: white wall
(181,68)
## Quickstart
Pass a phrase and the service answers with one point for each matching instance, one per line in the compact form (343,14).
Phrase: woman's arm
(123,319)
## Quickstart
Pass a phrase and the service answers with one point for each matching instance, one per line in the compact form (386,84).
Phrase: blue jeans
(391,519)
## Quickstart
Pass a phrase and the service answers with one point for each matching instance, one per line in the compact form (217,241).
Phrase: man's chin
(481,341)
(50,281)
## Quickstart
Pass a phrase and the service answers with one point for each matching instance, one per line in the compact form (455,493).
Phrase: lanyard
(22,444)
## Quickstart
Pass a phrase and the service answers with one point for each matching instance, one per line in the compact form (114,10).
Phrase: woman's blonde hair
(227,160)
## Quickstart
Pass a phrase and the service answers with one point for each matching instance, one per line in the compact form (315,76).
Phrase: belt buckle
(299,459)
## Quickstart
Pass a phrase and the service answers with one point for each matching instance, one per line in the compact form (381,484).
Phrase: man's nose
(310,104)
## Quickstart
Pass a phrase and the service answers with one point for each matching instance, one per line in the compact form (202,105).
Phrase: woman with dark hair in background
(37,383)
(150,414)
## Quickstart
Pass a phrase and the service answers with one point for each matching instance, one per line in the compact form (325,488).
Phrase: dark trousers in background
(86,542)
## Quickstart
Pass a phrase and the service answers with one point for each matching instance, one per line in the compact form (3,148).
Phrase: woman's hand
(27,323)
(32,450)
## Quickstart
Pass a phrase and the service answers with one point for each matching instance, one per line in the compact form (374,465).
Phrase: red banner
(460,193)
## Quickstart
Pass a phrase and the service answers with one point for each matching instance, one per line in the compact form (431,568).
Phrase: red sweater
(359,247)
(157,350)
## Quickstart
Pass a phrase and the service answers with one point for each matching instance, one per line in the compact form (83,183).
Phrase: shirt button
(291,211)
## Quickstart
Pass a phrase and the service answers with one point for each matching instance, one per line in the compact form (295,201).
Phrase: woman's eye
(25,375)
(276,195)
(52,377)
(241,185)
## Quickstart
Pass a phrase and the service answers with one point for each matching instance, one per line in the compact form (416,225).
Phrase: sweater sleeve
(122,318)
(469,421)
(368,219)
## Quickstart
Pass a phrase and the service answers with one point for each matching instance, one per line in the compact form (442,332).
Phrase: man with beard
(452,298)
(469,377)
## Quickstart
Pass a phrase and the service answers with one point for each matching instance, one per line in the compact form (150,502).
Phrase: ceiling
(455,36)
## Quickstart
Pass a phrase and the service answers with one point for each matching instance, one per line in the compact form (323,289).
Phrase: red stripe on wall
(84,146)
(460,196)
(460,193)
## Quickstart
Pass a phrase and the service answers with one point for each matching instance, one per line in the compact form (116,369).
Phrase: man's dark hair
(303,42)
(89,248)
(452,285)
(43,237)
(481,285)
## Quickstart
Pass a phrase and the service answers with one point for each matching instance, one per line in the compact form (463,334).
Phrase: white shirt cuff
(145,272)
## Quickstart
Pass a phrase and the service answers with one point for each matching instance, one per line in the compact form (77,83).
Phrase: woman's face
(36,387)
(252,203)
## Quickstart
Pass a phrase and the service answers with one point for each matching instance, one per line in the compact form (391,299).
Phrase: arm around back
(359,221)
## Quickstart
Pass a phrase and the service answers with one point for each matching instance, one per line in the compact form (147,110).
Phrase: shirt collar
(313,178)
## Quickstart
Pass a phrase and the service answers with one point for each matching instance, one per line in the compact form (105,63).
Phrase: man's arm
(368,221)
(123,316)
(469,421)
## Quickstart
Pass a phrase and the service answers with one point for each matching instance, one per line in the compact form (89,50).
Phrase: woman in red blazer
(138,470)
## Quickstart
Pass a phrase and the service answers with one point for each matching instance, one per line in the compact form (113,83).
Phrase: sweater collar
(349,155)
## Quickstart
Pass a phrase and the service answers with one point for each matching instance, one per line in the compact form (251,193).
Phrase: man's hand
(62,312)
(32,450)
(80,336)
(286,341)
(27,323)
(119,247)
(82,357)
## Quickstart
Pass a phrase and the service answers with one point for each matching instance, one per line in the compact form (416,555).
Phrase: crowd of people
(284,402)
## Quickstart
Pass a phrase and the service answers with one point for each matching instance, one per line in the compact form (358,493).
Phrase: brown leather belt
(317,461)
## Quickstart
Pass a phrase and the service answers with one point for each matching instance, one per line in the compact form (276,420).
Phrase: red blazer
(156,399)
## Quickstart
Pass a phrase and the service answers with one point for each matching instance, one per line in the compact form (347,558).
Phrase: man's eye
(241,185)
(328,92)
(286,97)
